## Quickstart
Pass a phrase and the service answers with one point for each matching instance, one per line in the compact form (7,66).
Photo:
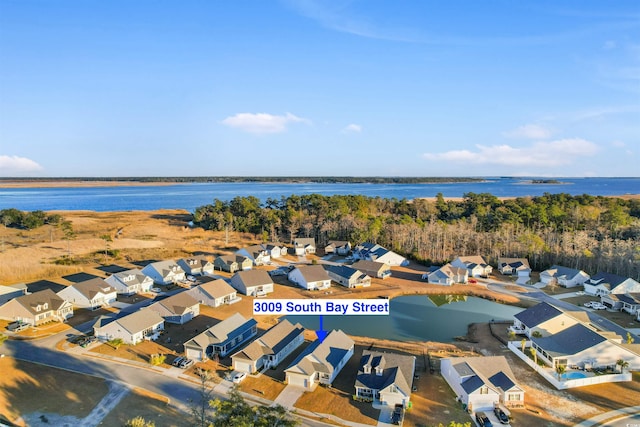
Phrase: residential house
(542,318)
(270,349)
(514,267)
(476,265)
(385,378)
(347,276)
(607,283)
(623,302)
(374,252)
(252,282)
(275,250)
(164,272)
(214,293)
(220,339)
(320,362)
(310,277)
(232,263)
(256,253)
(481,383)
(178,308)
(304,246)
(37,308)
(563,276)
(131,328)
(196,266)
(582,346)
(372,268)
(93,293)
(8,292)
(340,247)
(130,282)
(447,275)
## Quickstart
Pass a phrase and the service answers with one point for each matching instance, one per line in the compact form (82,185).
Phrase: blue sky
(310,87)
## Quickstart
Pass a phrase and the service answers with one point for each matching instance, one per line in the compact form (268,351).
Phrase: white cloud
(541,154)
(528,132)
(12,165)
(352,128)
(262,122)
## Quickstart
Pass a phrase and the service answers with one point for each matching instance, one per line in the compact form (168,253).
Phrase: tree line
(27,220)
(592,233)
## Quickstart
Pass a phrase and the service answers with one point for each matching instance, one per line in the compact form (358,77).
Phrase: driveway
(289,396)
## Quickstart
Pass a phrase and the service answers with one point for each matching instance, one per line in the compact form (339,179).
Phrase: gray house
(222,338)
(252,282)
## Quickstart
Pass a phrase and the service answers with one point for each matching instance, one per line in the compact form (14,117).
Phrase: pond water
(418,318)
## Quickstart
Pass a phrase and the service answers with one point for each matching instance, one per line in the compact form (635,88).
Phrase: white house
(447,275)
(542,318)
(252,282)
(374,252)
(320,362)
(514,267)
(563,276)
(37,308)
(256,253)
(270,349)
(178,308)
(607,283)
(214,293)
(233,263)
(8,292)
(275,250)
(373,269)
(130,282)
(196,266)
(481,383)
(476,265)
(385,378)
(93,293)
(348,277)
(132,328)
(304,246)
(340,247)
(164,272)
(310,277)
(221,338)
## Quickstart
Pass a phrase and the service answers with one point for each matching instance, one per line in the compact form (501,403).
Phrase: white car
(156,290)
(580,293)
(598,306)
(239,377)
(589,304)
(191,278)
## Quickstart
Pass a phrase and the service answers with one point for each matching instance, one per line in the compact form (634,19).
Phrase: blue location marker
(321,333)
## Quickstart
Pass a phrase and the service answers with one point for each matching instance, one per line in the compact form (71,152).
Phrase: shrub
(115,343)
(157,359)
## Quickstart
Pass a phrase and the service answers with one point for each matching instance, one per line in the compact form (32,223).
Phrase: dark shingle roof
(537,314)
(569,341)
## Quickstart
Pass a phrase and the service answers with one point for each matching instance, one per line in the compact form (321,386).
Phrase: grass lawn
(334,402)
(262,386)
(151,407)
(28,387)
(140,352)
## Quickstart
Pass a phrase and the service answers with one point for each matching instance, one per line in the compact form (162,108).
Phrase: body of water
(417,318)
(190,196)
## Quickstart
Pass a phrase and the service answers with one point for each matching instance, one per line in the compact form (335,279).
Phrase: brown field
(28,387)
(151,407)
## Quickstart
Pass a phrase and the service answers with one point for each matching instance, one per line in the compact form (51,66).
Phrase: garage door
(242,366)
(298,381)
(194,354)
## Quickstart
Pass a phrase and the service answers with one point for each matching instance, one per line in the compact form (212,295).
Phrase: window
(484,390)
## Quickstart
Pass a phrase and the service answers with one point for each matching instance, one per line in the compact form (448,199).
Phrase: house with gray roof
(481,383)
(514,267)
(232,263)
(8,292)
(475,264)
(543,318)
(256,253)
(447,275)
(214,293)
(275,250)
(320,362)
(179,308)
(340,247)
(130,282)
(131,328)
(374,252)
(310,277)
(347,276)
(270,349)
(304,246)
(252,282)
(379,270)
(37,308)
(196,265)
(385,378)
(563,276)
(608,283)
(92,294)
(623,302)
(221,338)
(164,272)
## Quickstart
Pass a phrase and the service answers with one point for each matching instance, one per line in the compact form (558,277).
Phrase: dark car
(398,415)
(501,415)
(483,420)
(177,360)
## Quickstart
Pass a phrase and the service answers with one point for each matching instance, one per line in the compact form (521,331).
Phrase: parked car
(156,290)
(17,326)
(501,415)
(239,377)
(191,278)
(472,281)
(177,360)
(589,303)
(185,363)
(580,293)
(398,415)
(483,419)
(598,306)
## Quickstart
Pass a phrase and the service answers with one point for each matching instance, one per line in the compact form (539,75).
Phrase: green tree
(235,412)
(630,339)
(534,354)
(201,408)
(157,359)
(622,365)
(560,370)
